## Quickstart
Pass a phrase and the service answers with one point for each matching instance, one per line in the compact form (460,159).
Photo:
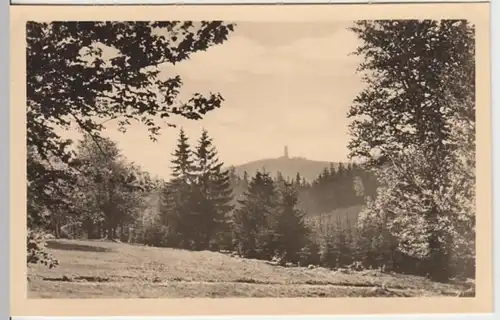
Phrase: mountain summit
(288,166)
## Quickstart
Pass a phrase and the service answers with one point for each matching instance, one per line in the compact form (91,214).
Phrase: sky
(283,84)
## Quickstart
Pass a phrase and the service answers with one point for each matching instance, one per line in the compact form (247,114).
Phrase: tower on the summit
(286,152)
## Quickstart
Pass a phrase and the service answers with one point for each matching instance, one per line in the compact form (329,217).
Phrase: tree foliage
(290,229)
(197,200)
(253,220)
(178,209)
(37,252)
(215,195)
(88,73)
(269,224)
(415,124)
(109,190)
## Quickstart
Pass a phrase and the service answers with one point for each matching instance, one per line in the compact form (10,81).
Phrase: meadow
(105,269)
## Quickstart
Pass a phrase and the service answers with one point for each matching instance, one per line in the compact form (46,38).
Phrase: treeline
(113,199)
(101,195)
(270,225)
(339,186)
(98,194)
(195,210)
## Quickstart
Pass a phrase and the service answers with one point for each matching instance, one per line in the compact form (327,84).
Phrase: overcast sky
(283,84)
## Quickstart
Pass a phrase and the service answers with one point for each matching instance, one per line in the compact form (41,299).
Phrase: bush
(155,235)
(310,254)
(37,251)
(222,241)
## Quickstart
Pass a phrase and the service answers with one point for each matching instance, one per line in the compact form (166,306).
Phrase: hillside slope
(99,269)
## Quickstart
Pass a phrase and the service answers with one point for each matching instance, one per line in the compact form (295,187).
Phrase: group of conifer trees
(198,211)
(268,223)
(195,203)
(206,207)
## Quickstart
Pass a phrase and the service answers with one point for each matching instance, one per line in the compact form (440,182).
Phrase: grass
(100,269)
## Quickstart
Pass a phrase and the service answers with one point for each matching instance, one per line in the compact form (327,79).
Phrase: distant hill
(308,169)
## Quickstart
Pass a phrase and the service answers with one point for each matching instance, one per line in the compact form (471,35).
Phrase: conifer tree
(177,201)
(222,197)
(329,253)
(343,243)
(298,180)
(182,163)
(280,180)
(214,189)
(310,253)
(253,220)
(233,176)
(325,174)
(290,230)
(332,169)
(332,185)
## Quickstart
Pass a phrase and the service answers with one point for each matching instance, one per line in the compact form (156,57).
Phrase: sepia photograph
(232,158)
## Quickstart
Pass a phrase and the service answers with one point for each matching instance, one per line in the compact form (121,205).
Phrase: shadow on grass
(75,247)
(78,278)
(253,281)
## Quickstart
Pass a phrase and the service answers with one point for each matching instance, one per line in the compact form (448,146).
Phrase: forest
(412,133)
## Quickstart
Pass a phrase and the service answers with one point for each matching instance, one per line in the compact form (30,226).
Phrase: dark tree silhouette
(214,196)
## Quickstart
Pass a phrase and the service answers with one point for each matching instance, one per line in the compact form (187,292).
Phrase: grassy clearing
(94,269)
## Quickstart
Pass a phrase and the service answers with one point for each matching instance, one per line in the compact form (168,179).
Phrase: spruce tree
(290,230)
(310,253)
(304,182)
(329,253)
(280,180)
(333,197)
(214,189)
(332,169)
(182,163)
(340,180)
(343,243)
(178,198)
(222,196)
(298,180)
(254,219)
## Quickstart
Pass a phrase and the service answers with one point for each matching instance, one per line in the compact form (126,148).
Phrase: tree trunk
(90,229)
(110,224)
(122,231)
(109,230)
(57,229)
(439,264)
